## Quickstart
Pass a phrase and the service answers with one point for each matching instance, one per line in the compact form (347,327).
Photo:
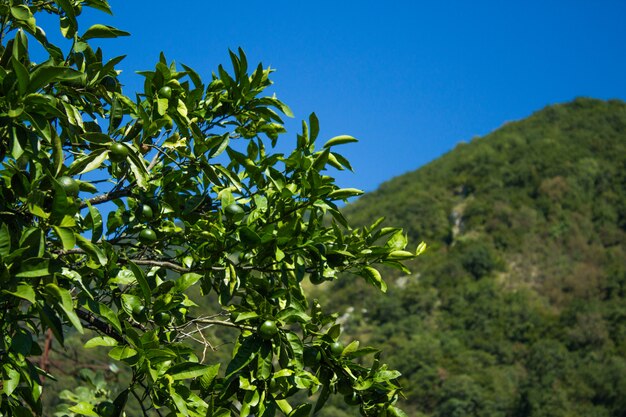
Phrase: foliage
(518,308)
(117,212)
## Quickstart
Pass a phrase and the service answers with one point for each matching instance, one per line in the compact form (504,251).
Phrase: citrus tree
(114,209)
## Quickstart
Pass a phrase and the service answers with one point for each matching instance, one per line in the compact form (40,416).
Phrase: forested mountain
(518,308)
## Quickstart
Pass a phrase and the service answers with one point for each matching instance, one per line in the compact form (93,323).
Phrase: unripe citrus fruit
(139,313)
(162,318)
(316,278)
(336,348)
(146,212)
(234,211)
(118,152)
(165,92)
(268,329)
(311,356)
(147,236)
(70,186)
(106,409)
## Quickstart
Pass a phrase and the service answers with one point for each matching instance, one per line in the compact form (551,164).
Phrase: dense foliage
(519,307)
(119,215)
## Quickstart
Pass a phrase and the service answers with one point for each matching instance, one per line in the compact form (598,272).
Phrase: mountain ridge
(517,308)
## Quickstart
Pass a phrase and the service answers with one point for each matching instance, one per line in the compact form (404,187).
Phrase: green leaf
(181,108)
(50,318)
(96,137)
(314,127)
(22,343)
(96,223)
(107,314)
(122,352)
(103,6)
(24,291)
(284,108)
(323,397)
(45,75)
(5,241)
(95,161)
(344,193)
(334,331)
(139,170)
(374,277)
(397,241)
(86,163)
(195,78)
(186,280)
(57,152)
(22,75)
(303,410)
(13,380)
(291,315)
(92,250)
(143,283)
(84,409)
(34,267)
(66,304)
(120,402)
(246,316)
(246,349)
(69,25)
(362,352)
(421,248)
(400,255)
(162,105)
(188,370)
(103,31)
(338,159)
(339,140)
(351,348)
(131,302)
(396,412)
(23,14)
(100,341)
(66,236)
(207,378)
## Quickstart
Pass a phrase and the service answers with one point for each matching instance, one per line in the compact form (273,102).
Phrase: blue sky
(410,79)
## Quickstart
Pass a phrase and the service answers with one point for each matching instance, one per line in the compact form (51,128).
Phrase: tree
(114,210)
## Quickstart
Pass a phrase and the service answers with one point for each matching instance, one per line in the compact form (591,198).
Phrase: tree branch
(98,324)
(163,264)
(112,195)
(222,323)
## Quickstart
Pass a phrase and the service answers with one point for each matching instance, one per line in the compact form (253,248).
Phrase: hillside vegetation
(518,308)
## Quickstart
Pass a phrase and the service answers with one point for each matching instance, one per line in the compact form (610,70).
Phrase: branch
(98,324)
(106,197)
(171,265)
(164,264)
(222,323)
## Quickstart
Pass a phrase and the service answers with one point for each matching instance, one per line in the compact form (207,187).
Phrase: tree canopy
(119,212)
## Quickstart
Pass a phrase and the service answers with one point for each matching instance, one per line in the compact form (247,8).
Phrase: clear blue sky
(410,79)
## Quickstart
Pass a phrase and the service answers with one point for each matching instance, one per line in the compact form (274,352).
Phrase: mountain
(518,308)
